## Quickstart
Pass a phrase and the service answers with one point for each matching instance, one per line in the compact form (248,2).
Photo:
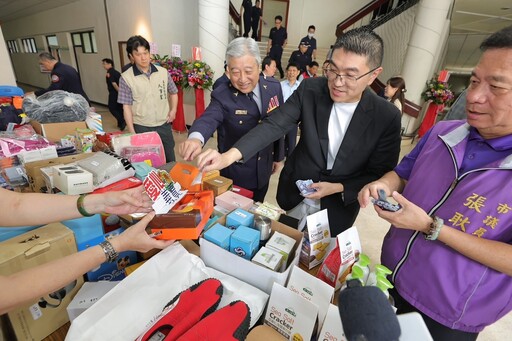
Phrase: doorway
(271,8)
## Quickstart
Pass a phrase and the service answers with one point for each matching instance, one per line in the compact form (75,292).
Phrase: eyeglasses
(349,80)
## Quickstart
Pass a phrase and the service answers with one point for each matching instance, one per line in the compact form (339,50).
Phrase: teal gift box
(239,217)
(244,242)
(219,235)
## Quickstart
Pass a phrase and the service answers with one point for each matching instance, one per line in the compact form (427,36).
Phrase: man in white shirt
(289,85)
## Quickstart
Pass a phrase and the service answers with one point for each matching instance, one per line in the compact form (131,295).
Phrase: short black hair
(278,17)
(498,40)
(364,42)
(134,42)
(108,61)
(313,63)
(292,64)
(266,61)
(311,27)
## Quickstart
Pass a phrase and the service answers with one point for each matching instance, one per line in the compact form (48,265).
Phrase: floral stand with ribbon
(198,75)
(439,94)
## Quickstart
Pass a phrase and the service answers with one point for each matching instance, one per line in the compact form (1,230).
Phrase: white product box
(89,293)
(243,269)
(72,179)
(282,244)
(268,258)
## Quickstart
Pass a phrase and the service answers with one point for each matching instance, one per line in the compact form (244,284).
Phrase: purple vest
(445,285)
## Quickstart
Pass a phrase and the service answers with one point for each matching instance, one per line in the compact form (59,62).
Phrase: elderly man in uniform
(235,108)
(63,76)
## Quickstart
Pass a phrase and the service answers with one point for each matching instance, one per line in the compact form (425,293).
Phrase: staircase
(321,53)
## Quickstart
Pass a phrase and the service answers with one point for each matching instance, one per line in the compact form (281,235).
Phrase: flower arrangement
(174,65)
(198,75)
(437,92)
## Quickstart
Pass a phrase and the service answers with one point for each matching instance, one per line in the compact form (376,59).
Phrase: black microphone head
(367,315)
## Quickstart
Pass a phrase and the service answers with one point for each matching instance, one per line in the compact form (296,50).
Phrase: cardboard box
(33,170)
(54,131)
(72,179)
(218,185)
(38,319)
(231,200)
(89,294)
(49,152)
(254,274)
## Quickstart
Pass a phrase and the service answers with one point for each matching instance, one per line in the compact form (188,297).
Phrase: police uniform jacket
(301,59)
(233,114)
(64,77)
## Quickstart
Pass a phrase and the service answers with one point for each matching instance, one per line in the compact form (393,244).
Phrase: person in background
(268,67)
(300,58)
(246,14)
(310,42)
(63,76)
(277,41)
(348,136)
(222,79)
(20,209)
(112,79)
(311,71)
(235,108)
(289,85)
(255,20)
(394,91)
(148,95)
(449,246)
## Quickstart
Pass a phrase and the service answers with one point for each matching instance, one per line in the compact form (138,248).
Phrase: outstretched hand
(189,149)
(137,239)
(211,159)
(133,200)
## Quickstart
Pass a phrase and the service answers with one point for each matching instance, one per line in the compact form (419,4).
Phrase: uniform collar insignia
(264,87)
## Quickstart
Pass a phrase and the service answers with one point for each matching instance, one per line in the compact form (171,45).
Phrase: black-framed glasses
(333,76)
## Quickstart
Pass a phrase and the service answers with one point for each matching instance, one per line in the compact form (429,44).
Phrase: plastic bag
(56,106)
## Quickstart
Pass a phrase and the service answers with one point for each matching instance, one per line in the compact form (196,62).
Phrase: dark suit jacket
(370,148)
(233,114)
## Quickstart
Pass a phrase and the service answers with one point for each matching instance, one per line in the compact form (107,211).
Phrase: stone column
(425,50)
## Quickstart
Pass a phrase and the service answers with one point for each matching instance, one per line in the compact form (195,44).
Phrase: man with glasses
(236,107)
(349,135)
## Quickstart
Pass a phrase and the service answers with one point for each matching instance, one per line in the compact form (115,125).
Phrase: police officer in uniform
(246,11)
(277,40)
(63,76)
(300,57)
(235,108)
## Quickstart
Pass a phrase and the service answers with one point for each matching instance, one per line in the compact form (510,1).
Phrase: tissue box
(268,258)
(231,200)
(282,244)
(71,179)
(219,235)
(244,242)
(239,217)
(218,185)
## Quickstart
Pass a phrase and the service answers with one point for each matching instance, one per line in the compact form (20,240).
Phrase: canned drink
(262,224)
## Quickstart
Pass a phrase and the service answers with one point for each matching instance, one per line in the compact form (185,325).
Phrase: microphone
(366,314)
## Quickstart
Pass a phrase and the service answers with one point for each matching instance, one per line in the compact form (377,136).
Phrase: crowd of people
(448,243)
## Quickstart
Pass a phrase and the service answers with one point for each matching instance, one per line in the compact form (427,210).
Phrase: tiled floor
(371,228)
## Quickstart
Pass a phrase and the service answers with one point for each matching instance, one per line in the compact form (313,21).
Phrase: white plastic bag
(128,309)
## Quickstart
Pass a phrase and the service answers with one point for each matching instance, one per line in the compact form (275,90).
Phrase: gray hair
(46,56)
(364,42)
(241,46)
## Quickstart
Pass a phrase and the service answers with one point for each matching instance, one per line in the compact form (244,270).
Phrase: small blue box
(219,235)
(239,217)
(85,229)
(244,242)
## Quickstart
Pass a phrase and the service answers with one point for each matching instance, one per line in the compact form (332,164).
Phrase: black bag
(9,114)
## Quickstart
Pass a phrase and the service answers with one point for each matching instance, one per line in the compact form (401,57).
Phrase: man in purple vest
(449,246)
